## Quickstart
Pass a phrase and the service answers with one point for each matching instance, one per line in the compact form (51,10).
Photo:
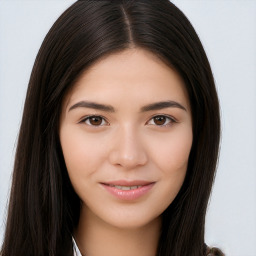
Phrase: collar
(75,248)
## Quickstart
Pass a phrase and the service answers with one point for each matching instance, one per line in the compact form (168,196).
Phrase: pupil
(96,120)
(160,120)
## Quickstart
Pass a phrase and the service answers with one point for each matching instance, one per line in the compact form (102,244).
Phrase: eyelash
(87,118)
(170,121)
(166,117)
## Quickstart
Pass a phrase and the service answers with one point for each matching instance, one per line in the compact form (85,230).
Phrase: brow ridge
(108,108)
(93,105)
(162,105)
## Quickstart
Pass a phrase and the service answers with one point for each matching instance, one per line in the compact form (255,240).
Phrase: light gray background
(228,32)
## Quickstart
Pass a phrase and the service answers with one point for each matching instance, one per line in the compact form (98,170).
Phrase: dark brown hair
(43,208)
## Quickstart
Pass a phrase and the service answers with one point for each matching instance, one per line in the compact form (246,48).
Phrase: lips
(125,187)
(128,190)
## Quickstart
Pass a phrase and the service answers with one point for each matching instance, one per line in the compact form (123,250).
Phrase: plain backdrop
(228,32)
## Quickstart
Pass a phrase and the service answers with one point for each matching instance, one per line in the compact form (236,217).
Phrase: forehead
(133,74)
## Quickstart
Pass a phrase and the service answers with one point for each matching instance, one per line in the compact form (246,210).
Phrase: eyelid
(85,118)
(171,118)
(106,123)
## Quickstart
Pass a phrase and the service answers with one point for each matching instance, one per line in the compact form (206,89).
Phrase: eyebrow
(108,108)
(162,105)
(93,105)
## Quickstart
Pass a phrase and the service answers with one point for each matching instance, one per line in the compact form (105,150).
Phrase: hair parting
(44,208)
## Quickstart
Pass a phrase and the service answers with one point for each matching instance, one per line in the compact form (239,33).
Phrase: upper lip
(128,183)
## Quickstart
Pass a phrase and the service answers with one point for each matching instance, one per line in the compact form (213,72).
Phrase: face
(126,135)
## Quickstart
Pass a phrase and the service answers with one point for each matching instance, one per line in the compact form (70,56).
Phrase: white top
(76,250)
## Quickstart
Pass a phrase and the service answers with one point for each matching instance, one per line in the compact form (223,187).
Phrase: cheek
(172,159)
(172,156)
(82,156)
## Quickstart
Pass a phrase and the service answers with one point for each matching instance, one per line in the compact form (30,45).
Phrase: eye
(161,120)
(94,121)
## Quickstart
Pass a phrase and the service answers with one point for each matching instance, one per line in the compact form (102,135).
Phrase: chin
(134,223)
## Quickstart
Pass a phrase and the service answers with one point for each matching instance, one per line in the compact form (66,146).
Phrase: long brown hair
(43,208)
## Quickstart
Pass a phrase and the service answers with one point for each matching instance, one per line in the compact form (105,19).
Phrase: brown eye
(159,120)
(95,121)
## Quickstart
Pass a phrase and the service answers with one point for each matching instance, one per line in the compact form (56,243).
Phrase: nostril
(128,161)
(127,149)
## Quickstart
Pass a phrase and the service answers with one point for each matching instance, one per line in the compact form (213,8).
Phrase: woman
(119,140)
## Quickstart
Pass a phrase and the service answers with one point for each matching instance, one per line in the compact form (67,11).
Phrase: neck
(95,237)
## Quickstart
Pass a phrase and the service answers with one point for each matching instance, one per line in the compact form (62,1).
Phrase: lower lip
(129,194)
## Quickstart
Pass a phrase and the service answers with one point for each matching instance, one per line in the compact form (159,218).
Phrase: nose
(127,149)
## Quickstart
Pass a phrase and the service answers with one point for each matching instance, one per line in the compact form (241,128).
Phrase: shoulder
(214,252)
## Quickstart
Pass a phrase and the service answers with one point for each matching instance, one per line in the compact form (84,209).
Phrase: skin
(130,142)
